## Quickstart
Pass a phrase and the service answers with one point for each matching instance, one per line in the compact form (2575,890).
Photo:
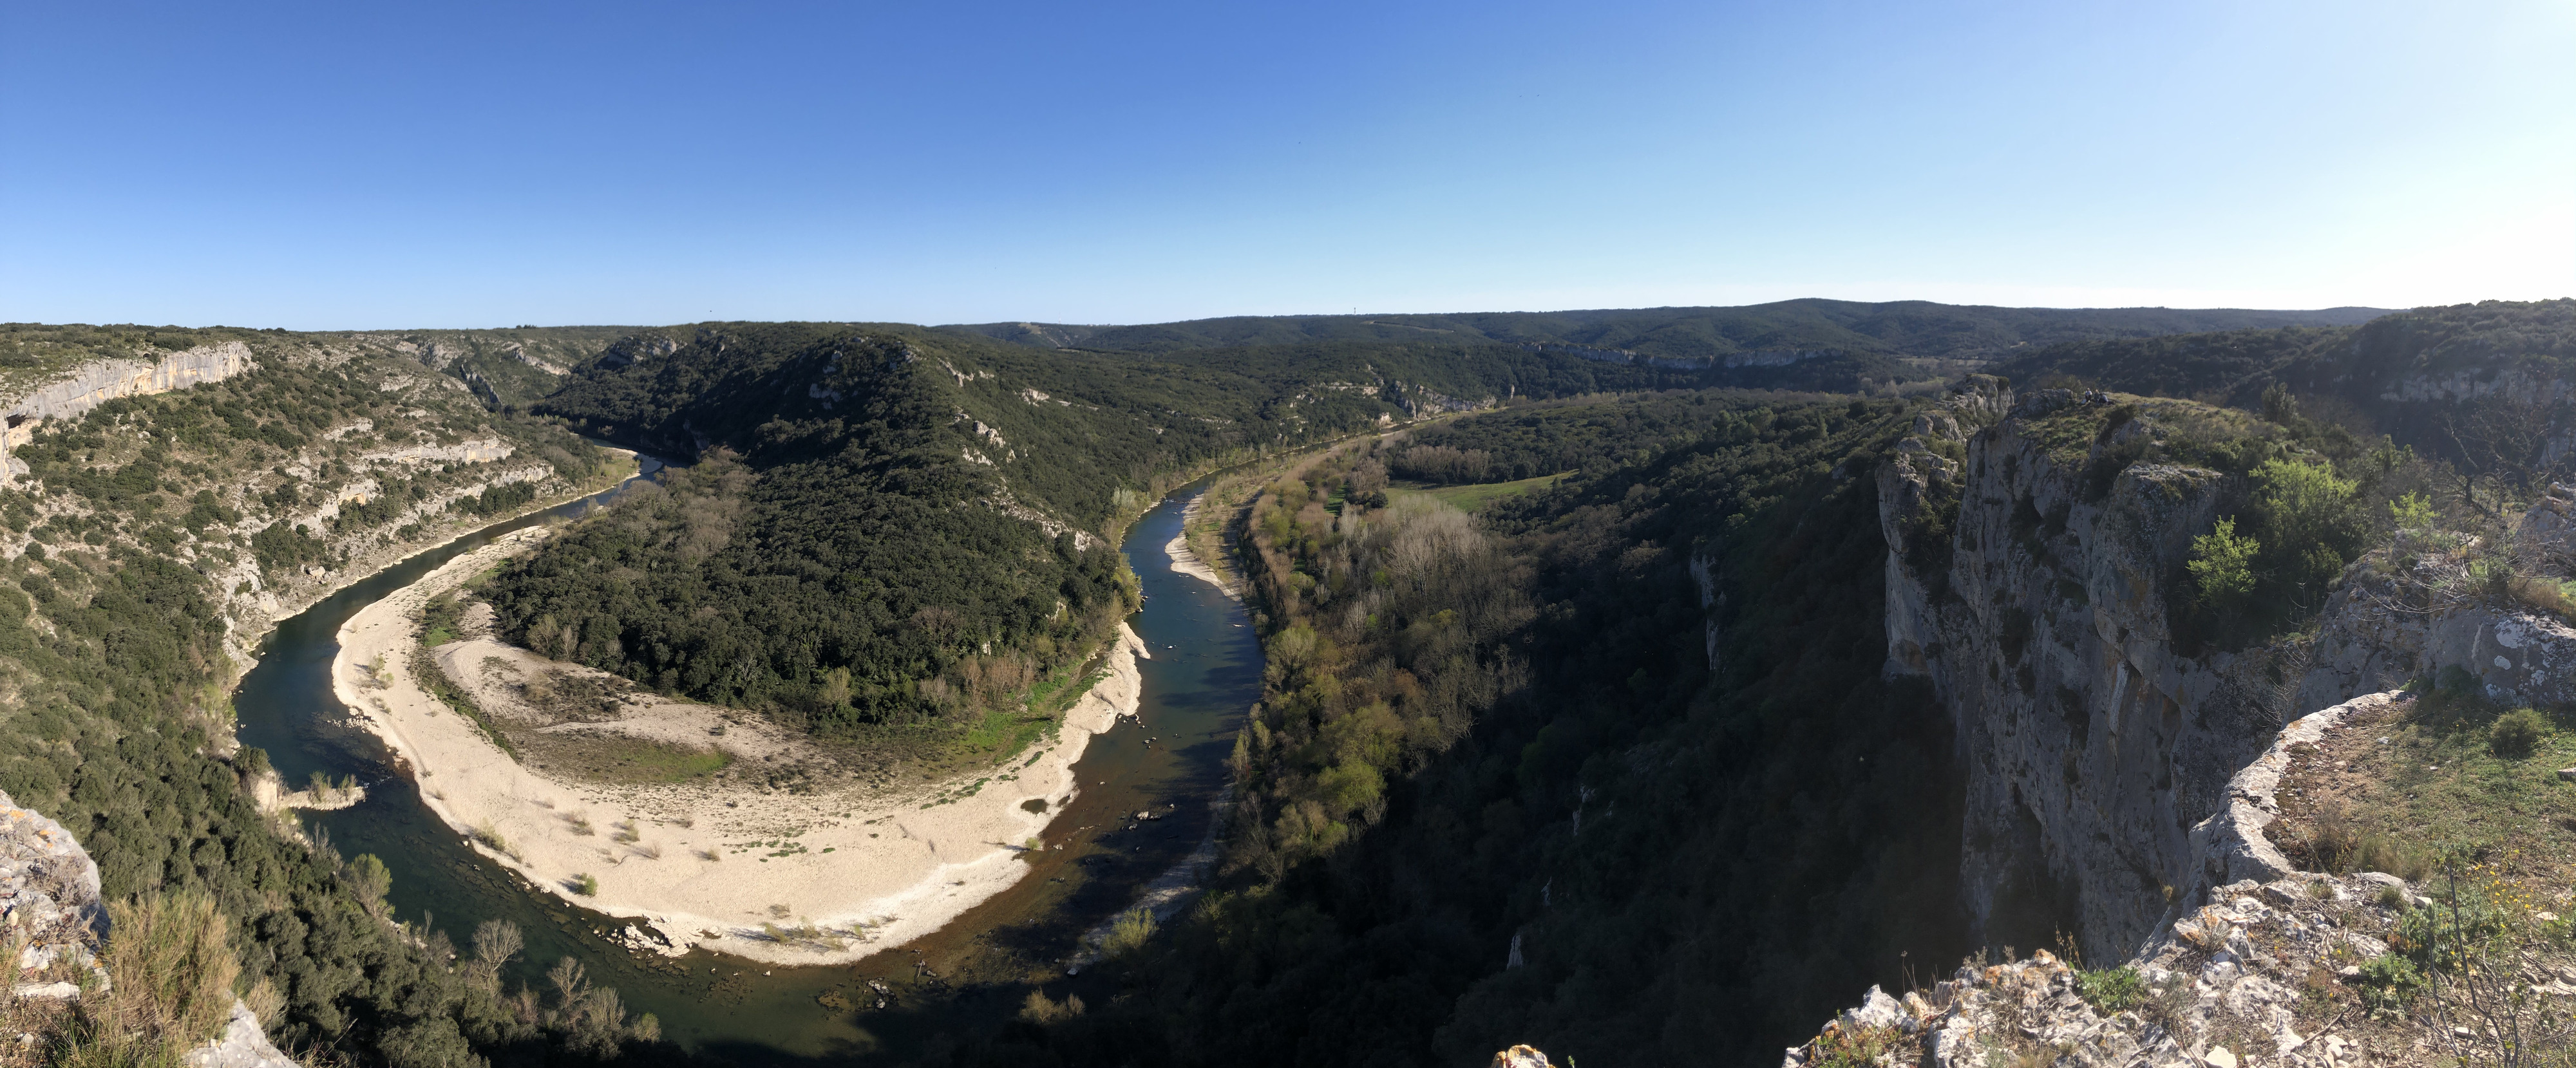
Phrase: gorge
(1566,698)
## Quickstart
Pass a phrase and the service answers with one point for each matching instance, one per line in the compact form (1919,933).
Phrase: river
(1204,673)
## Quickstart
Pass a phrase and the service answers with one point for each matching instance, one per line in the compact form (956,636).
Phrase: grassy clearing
(2457,778)
(1471,498)
(621,759)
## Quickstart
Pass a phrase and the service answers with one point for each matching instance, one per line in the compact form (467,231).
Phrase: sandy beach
(824,875)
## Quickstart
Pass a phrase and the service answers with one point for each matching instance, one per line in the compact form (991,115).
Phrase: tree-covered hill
(1897,328)
(906,512)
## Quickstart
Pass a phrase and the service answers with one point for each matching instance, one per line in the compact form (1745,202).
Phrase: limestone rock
(243,1045)
(2038,615)
(99,381)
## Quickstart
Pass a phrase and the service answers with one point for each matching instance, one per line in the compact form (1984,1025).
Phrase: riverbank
(1187,561)
(827,874)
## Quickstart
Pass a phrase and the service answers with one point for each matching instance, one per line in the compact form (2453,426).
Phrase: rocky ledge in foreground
(49,905)
(2260,965)
(51,912)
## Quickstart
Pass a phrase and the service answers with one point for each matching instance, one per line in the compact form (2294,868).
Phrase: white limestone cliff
(99,381)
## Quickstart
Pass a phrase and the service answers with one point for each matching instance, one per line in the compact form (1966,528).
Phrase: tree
(2307,519)
(2503,441)
(2223,564)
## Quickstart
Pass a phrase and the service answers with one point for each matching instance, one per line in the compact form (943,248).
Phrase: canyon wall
(2032,582)
(2039,613)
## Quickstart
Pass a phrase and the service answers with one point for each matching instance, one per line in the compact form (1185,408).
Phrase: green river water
(1204,673)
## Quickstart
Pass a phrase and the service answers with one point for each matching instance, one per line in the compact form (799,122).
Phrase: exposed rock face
(2414,611)
(2221,980)
(2039,614)
(638,348)
(95,383)
(244,1045)
(49,893)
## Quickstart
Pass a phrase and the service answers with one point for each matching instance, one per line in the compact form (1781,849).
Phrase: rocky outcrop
(2028,580)
(243,1045)
(2219,984)
(49,902)
(99,381)
(2419,608)
(638,348)
(2231,843)
(2221,990)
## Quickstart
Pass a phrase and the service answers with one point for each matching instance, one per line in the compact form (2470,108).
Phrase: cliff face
(2039,615)
(100,381)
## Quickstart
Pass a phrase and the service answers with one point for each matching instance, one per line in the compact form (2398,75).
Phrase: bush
(2112,990)
(2516,733)
(2309,518)
(2388,983)
(2222,564)
(1864,1047)
(586,884)
(1128,934)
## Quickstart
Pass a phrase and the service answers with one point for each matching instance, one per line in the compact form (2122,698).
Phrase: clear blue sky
(461,164)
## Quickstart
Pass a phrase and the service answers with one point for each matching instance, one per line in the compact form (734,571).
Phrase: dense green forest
(1553,437)
(1898,328)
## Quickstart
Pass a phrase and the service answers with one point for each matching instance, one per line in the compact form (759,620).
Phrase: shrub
(1129,933)
(2308,520)
(2388,983)
(1859,1047)
(2515,734)
(586,884)
(2111,990)
(2411,512)
(2222,564)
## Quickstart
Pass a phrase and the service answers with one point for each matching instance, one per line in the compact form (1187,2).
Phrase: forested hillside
(891,515)
(1504,787)
(148,542)
(1723,335)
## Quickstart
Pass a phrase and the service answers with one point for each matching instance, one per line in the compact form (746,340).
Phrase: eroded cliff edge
(2032,579)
